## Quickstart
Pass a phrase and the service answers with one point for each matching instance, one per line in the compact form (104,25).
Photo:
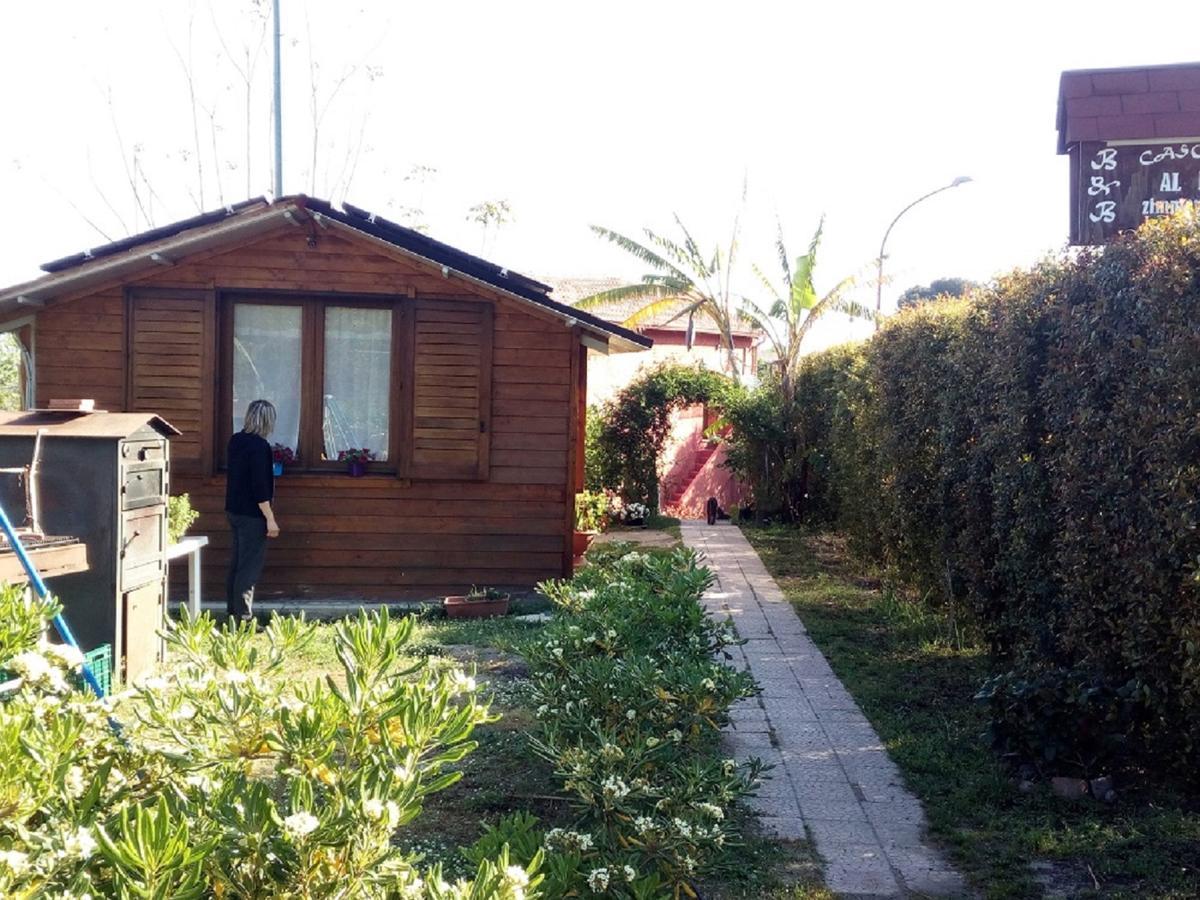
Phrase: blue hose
(39,588)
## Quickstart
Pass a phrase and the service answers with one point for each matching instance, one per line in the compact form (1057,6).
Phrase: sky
(128,113)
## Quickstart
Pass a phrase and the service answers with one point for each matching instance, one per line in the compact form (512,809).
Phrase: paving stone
(831,832)
(788,828)
(860,880)
(837,812)
(774,805)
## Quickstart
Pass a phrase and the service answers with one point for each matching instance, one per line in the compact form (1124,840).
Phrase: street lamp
(961,179)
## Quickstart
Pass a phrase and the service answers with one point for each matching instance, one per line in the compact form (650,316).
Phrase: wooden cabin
(467,382)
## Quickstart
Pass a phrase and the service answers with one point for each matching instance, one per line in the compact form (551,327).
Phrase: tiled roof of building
(1146,102)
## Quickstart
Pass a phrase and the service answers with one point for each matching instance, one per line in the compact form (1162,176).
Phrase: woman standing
(249,489)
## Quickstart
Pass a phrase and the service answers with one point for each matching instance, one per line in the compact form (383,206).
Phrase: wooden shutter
(448,405)
(171,368)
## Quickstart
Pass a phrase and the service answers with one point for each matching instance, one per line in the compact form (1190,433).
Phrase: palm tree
(797,308)
(685,281)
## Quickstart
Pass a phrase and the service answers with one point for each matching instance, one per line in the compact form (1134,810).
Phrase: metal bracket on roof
(26,300)
(287,214)
(161,259)
(320,220)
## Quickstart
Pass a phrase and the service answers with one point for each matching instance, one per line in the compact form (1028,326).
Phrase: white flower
(675,734)
(185,712)
(711,810)
(80,844)
(689,865)
(629,872)
(301,823)
(401,773)
(643,824)
(16,861)
(630,714)
(373,809)
(543,709)
(515,876)
(708,684)
(614,788)
(558,651)
(73,781)
(652,742)
(414,890)
(152,683)
(598,880)
(461,683)
(64,655)
(682,827)
(293,704)
(234,676)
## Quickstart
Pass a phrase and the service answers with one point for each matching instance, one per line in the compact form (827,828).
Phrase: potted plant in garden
(635,515)
(590,518)
(477,603)
(281,456)
(356,460)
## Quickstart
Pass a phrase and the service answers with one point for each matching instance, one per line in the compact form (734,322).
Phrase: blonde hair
(260,418)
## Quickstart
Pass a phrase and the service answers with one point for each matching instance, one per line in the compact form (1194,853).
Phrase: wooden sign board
(1116,187)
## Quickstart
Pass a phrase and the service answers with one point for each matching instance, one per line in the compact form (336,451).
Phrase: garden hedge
(1031,456)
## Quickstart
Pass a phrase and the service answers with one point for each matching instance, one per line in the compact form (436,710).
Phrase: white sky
(617,113)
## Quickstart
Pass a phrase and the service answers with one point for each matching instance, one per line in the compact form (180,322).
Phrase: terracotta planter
(583,540)
(356,468)
(462,608)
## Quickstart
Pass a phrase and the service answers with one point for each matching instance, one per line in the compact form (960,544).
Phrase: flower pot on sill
(277,468)
(581,541)
(356,468)
(460,607)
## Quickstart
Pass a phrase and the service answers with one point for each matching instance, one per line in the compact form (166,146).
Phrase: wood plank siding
(485,484)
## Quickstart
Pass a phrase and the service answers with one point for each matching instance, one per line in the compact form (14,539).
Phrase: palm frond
(655,308)
(781,252)
(629,245)
(766,282)
(647,292)
(679,258)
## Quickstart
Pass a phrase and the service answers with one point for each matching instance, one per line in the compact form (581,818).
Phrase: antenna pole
(278,112)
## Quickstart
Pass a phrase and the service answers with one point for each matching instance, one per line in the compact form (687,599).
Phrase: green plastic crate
(100,662)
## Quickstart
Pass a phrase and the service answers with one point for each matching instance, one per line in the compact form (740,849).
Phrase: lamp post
(961,179)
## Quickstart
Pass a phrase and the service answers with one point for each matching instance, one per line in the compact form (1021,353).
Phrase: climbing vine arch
(627,438)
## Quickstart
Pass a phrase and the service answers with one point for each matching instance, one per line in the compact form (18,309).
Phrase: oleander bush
(220,778)
(631,693)
(1031,456)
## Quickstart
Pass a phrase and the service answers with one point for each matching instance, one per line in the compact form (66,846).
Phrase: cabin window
(358,366)
(327,365)
(266,365)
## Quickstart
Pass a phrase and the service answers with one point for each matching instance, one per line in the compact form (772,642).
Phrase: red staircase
(680,486)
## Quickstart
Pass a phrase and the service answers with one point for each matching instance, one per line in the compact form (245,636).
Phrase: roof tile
(1189,101)
(1082,130)
(1175,78)
(1075,84)
(1129,81)
(1157,102)
(1095,106)
(1115,128)
(1184,124)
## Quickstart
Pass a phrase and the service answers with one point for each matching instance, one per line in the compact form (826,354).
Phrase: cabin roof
(82,424)
(1142,102)
(131,256)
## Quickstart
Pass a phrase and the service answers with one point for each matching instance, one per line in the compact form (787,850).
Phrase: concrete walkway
(832,774)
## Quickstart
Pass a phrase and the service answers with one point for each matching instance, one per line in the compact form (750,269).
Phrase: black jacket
(251,477)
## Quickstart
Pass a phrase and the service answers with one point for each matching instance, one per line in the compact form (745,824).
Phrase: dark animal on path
(712,508)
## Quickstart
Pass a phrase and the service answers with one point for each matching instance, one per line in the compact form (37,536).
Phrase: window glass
(266,366)
(358,365)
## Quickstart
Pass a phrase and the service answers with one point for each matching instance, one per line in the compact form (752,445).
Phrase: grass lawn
(503,775)
(914,672)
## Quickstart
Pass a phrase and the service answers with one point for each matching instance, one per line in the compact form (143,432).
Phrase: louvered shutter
(171,359)
(448,405)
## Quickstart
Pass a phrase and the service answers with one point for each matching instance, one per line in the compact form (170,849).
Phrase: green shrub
(180,517)
(631,697)
(1032,454)
(227,779)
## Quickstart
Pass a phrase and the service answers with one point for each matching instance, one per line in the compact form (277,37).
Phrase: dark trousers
(247,554)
